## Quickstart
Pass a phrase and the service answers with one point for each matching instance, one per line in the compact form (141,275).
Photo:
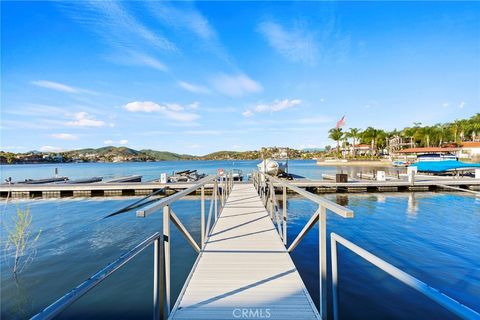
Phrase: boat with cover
(444,166)
(272,167)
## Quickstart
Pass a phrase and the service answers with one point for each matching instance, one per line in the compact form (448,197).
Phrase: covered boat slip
(445,166)
(244,268)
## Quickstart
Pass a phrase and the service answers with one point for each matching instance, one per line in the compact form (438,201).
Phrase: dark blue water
(433,236)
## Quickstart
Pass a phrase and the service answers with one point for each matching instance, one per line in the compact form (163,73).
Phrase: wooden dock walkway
(244,270)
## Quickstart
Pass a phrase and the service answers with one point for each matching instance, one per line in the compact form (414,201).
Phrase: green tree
(336,134)
(21,240)
(354,133)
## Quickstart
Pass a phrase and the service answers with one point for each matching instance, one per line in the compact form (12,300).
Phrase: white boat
(272,167)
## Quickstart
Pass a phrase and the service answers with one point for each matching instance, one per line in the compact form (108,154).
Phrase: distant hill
(165,155)
(110,150)
(124,154)
(145,154)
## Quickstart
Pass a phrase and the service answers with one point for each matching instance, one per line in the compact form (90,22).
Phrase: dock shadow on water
(432,236)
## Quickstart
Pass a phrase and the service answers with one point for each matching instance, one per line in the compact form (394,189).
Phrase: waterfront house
(470,150)
(361,149)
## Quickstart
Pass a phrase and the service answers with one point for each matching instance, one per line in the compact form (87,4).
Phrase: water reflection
(412,208)
(341,199)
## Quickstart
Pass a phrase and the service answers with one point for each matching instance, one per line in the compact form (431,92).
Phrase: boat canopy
(443,166)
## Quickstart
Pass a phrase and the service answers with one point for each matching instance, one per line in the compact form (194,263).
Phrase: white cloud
(108,141)
(193,87)
(123,141)
(57,86)
(143,59)
(64,136)
(83,119)
(54,86)
(445,104)
(247,113)
(298,44)
(50,149)
(169,110)
(235,85)
(194,105)
(184,19)
(462,104)
(275,106)
(114,22)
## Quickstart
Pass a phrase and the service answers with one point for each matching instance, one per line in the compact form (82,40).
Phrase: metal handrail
(168,200)
(68,299)
(265,185)
(442,299)
(161,276)
(336,208)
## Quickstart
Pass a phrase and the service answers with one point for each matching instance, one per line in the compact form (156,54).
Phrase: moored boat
(272,167)
(133,178)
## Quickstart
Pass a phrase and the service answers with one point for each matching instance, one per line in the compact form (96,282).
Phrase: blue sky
(197,77)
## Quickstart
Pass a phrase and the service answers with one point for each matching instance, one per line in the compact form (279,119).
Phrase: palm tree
(455,128)
(336,134)
(369,135)
(354,133)
(409,133)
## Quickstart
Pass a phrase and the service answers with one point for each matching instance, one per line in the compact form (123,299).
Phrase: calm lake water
(152,170)
(433,236)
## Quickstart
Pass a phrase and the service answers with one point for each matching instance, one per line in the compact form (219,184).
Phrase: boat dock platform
(101,189)
(244,267)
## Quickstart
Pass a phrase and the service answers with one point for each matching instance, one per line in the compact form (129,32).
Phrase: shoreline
(355,163)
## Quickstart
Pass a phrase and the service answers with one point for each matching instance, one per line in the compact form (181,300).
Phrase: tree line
(417,135)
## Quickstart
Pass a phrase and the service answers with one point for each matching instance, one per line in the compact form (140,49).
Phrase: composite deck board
(244,266)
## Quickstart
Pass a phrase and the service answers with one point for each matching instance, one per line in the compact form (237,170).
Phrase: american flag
(340,123)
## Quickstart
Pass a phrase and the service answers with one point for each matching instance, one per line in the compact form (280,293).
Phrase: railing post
(202,218)
(222,195)
(322,255)
(215,192)
(334,257)
(270,202)
(158,280)
(284,213)
(272,205)
(166,246)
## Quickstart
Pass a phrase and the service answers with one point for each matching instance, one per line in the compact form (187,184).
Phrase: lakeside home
(470,150)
